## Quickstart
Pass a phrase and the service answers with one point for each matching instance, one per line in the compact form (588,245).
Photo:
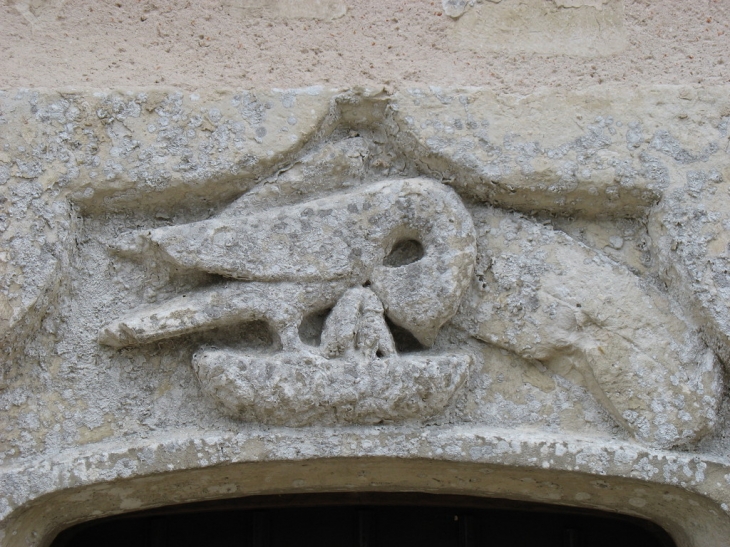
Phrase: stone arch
(690,519)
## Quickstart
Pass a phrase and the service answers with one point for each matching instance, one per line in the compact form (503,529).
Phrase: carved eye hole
(405,251)
(310,331)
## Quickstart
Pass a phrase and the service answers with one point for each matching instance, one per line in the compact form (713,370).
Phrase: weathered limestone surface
(549,298)
(511,296)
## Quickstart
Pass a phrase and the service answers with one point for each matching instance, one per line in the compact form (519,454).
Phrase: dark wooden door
(366,520)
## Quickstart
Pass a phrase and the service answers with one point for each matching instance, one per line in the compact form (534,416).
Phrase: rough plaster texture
(514,46)
(577,352)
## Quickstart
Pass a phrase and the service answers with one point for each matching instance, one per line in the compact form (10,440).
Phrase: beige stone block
(583,28)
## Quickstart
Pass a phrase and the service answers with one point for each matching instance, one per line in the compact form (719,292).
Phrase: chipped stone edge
(34,488)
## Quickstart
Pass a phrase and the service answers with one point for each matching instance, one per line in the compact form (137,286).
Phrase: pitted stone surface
(549,298)
(298,389)
(342,239)
(305,258)
(574,298)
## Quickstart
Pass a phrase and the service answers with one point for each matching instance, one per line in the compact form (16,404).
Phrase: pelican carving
(402,249)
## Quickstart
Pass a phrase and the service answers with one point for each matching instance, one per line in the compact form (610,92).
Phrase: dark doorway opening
(366,520)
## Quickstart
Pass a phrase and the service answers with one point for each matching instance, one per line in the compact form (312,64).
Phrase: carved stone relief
(557,302)
(404,249)
(435,274)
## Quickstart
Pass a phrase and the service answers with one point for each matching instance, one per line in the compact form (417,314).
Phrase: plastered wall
(513,46)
